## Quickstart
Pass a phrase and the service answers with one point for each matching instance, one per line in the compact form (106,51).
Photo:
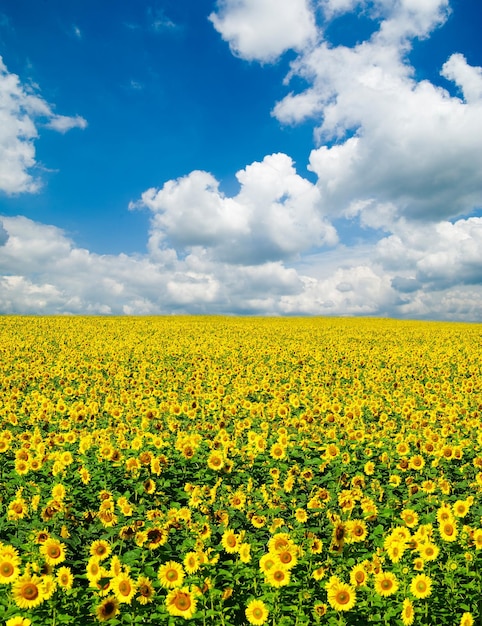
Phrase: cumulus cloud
(276,214)
(409,273)
(385,137)
(263,29)
(21,111)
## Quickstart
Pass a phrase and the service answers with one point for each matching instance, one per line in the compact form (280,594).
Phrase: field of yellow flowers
(240,471)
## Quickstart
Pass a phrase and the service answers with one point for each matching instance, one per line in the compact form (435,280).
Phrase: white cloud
(21,110)
(412,273)
(437,257)
(63,123)
(468,78)
(385,137)
(275,215)
(263,29)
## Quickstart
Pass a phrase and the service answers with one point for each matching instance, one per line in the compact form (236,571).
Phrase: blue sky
(264,157)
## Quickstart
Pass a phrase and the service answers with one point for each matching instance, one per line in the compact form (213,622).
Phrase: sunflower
(53,551)
(93,569)
(301,516)
(477,538)
(408,612)
(65,578)
(410,517)
(448,530)
(278,576)
(245,553)
(215,461)
(386,583)
(258,521)
(145,590)
(444,513)
(18,621)
(287,558)
(461,508)
(280,541)
(421,586)
(100,549)
(17,509)
(107,609)
(191,562)
(319,572)
(429,551)
(256,612)
(358,576)
(49,585)
(267,562)
(277,451)
(341,597)
(171,575)
(58,492)
(467,619)
(28,591)
(181,602)
(319,610)
(395,550)
(316,545)
(124,588)
(357,530)
(9,570)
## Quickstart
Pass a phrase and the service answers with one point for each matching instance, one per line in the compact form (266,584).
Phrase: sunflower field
(236,471)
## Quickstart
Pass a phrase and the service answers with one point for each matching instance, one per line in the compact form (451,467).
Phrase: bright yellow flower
(28,591)
(256,612)
(181,602)
(65,578)
(278,576)
(421,586)
(467,619)
(171,575)
(18,621)
(191,562)
(145,590)
(341,597)
(408,612)
(123,588)
(53,551)
(107,609)
(386,583)
(100,549)
(9,570)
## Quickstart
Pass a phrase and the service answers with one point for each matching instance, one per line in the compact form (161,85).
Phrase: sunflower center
(257,613)
(386,584)
(109,608)
(172,574)
(182,601)
(144,591)
(343,597)
(30,591)
(54,552)
(125,588)
(6,569)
